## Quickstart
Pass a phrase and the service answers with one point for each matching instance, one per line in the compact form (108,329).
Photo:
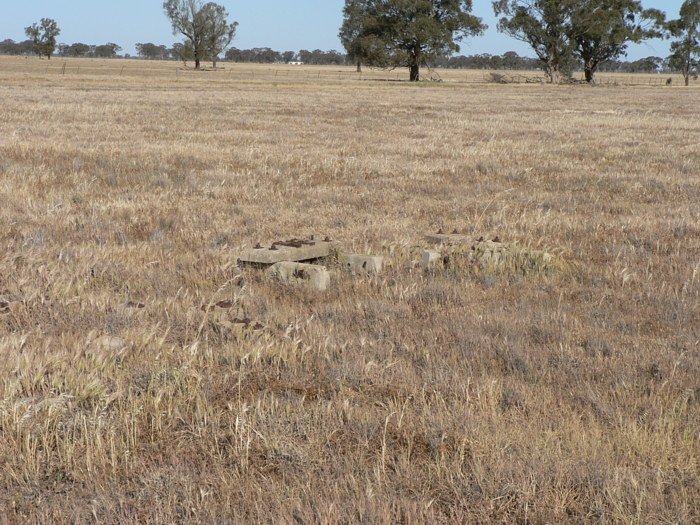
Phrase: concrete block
(290,251)
(431,259)
(364,264)
(448,239)
(298,273)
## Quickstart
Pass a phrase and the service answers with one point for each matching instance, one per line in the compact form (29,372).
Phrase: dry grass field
(411,397)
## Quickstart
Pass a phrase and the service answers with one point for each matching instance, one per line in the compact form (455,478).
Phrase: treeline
(265,55)
(10,47)
(257,55)
(643,65)
(109,50)
(179,51)
(590,35)
(26,47)
(509,60)
(512,61)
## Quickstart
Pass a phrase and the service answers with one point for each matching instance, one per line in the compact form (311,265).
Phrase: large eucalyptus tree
(601,30)
(685,50)
(43,36)
(406,33)
(542,24)
(205,27)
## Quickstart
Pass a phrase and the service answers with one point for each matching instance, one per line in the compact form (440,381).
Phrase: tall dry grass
(127,394)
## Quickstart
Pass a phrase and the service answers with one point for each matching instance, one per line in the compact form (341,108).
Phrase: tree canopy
(685,50)
(108,50)
(351,32)
(542,24)
(406,33)
(43,36)
(601,30)
(562,32)
(219,32)
(205,27)
(151,51)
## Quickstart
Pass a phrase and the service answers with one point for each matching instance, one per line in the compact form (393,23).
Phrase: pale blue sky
(279,24)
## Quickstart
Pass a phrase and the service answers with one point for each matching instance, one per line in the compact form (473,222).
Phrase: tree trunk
(554,74)
(359,66)
(415,72)
(196,62)
(590,75)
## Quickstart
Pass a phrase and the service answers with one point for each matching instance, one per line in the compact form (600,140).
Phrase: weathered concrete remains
(431,259)
(291,251)
(448,239)
(362,264)
(298,273)
(458,251)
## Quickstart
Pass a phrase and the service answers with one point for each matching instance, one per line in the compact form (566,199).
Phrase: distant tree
(510,60)
(644,65)
(352,32)
(685,50)
(304,56)
(204,26)
(288,56)
(260,55)
(7,46)
(80,49)
(183,52)
(234,55)
(10,47)
(407,33)
(219,32)
(601,30)
(152,51)
(269,56)
(186,18)
(43,36)
(108,50)
(74,50)
(266,55)
(543,25)
(319,57)
(334,57)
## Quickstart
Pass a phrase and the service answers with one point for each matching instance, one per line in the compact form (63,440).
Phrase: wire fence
(287,73)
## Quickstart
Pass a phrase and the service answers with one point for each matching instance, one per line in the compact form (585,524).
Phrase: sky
(279,24)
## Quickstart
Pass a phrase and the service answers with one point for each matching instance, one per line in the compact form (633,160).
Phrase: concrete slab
(298,273)
(289,251)
(431,259)
(449,239)
(363,264)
